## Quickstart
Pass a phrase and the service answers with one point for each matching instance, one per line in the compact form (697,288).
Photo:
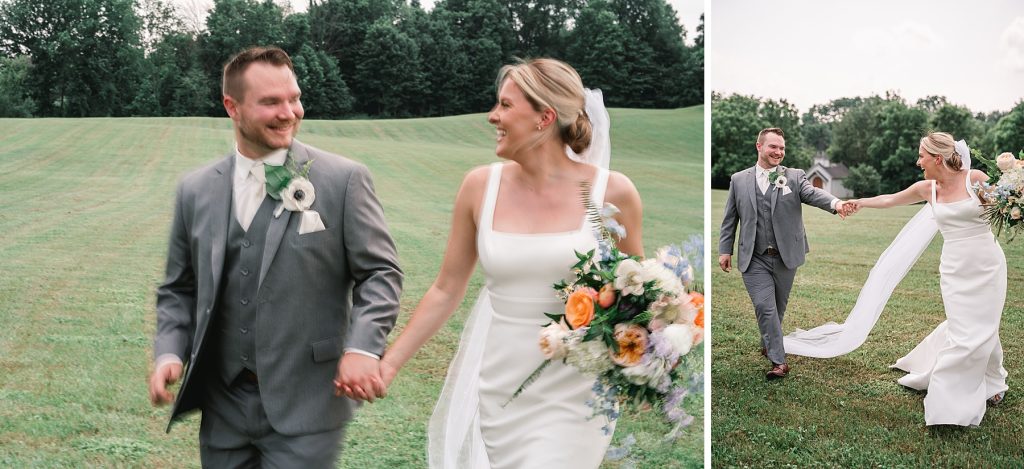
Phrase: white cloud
(1012,43)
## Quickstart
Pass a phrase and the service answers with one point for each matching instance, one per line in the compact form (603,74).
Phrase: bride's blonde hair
(550,83)
(942,144)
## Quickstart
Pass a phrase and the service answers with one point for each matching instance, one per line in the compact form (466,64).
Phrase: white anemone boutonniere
(776,177)
(290,184)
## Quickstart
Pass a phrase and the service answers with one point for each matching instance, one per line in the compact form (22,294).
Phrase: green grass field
(849,411)
(83,229)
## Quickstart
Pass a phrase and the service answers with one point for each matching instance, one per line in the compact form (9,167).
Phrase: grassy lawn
(82,246)
(849,411)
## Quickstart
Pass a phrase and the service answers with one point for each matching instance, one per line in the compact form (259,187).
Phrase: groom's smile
(771,151)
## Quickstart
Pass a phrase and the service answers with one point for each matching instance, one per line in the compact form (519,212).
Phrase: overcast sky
(810,52)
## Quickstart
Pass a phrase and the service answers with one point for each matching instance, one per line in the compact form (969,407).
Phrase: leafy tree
(956,120)
(864,181)
(84,53)
(596,48)
(324,92)
(539,25)
(1008,133)
(484,30)
(15,99)
(389,73)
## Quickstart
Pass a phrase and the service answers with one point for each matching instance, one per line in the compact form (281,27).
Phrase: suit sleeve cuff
(834,203)
(166,359)
(362,352)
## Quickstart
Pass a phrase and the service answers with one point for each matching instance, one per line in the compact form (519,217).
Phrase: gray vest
(236,312)
(764,237)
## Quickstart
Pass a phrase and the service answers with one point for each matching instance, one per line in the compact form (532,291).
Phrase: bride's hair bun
(553,84)
(943,144)
(577,134)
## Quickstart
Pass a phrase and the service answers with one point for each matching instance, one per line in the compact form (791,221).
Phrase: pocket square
(310,222)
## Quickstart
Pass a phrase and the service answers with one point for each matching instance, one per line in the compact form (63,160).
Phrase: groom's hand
(725,262)
(359,378)
(164,375)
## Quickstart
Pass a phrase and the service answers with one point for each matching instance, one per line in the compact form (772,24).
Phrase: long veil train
(831,339)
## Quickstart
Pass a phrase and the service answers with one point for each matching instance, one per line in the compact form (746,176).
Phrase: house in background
(829,176)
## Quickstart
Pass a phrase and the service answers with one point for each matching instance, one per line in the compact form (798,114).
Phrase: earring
(538,126)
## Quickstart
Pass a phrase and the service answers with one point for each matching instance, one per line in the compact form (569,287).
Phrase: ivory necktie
(251,196)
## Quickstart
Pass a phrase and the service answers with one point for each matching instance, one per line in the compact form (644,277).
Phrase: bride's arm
(449,288)
(917,192)
(624,195)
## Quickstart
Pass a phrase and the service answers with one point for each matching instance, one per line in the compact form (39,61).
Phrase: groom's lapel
(220,216)
(275,232)
(752,186)
(775,190)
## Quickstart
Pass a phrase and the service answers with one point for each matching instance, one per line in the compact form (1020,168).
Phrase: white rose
(299,195)
(628,278)
(680,336)
(1006,161)
(1015,213)
(552,343)
(666,280)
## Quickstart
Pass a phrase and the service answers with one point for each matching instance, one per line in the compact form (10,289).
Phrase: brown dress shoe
(777,371)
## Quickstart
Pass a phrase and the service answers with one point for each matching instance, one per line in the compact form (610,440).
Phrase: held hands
(158,381)
(359,378)
(846,208)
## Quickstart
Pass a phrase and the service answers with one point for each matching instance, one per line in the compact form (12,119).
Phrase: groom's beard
(267,139)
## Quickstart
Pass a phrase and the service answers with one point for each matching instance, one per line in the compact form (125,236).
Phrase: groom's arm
(813,196)
(175,308)
(373,266)
(727,233)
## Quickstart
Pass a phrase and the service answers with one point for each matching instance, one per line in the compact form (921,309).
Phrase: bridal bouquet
(1004,200)
(632,322)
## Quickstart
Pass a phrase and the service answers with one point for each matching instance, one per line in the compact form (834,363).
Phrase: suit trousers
(768,283)
(235,433)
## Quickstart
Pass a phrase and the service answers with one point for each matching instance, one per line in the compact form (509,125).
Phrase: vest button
(244,330)
(245,357)
(245,272)
(246,243)
(245,301)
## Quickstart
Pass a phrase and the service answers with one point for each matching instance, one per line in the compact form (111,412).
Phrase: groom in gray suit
(766,201)
(273,297)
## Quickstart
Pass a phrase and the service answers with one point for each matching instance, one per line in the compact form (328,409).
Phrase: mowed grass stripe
(849,411)
(84,234)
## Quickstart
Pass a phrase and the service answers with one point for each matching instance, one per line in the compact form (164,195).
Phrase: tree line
(353,58)
(877,137)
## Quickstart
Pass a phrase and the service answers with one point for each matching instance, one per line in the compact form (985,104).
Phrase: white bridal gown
(960,363)
(548,425)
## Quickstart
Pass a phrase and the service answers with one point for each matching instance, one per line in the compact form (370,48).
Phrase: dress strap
(934,200)
(490,196)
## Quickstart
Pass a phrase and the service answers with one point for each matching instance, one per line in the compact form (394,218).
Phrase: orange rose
(632,340)
(606,297)
(697,300)
(579,308)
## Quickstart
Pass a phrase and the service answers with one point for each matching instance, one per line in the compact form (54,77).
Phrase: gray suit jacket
(318,292)
(787,216)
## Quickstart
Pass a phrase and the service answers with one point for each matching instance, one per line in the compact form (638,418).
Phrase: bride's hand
(387,372)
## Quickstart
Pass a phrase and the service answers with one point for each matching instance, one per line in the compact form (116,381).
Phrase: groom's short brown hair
(232,83)
(770,130)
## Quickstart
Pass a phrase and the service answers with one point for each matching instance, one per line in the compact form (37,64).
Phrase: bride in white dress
(523,218)
(960,362)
